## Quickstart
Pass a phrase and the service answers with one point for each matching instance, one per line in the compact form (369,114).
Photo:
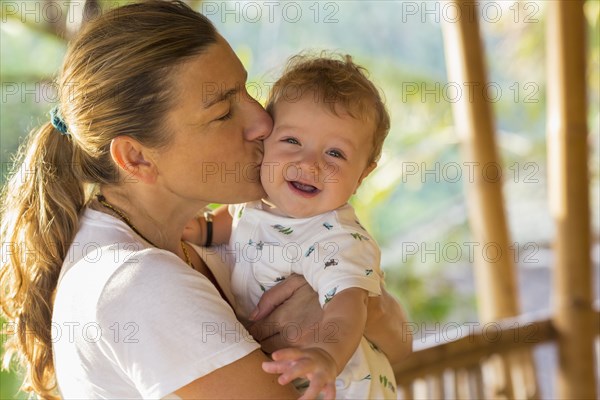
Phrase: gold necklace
(188,260)
(124,218)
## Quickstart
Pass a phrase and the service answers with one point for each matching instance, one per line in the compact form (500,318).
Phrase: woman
(108,301)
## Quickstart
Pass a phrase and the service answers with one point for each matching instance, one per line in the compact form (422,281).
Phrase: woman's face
(217,148)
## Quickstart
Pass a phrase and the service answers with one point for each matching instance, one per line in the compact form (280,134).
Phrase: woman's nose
(258,123)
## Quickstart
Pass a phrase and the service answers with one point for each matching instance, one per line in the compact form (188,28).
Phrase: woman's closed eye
(226,116)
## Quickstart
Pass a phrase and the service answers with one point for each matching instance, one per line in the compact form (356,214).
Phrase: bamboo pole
(569,198)
(476,381)
(461,384)
(420,389)
(435,385)
(495,276)
(407,391)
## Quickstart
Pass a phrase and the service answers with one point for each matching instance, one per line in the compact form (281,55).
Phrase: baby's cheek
(268,171)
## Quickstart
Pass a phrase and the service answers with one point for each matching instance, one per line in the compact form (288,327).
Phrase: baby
(329,128)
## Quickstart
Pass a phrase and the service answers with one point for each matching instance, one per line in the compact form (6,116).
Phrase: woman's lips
(303,189)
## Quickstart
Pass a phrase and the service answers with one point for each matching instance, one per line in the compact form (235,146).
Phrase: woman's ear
(369,168)
(133,160)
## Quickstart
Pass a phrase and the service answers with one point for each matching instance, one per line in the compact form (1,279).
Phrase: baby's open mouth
(304,188)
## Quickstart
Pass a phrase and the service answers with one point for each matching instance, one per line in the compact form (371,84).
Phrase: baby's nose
(310,159)
(310,169)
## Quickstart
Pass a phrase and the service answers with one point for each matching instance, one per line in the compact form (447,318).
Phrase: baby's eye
(336,154)
(291,141)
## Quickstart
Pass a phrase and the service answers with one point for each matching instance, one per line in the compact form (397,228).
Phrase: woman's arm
(387,327)
(221,225)
(293,301)
(242,379)
(196,230)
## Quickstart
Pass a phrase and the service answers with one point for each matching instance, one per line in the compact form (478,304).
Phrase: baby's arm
(196,230)
(336,338)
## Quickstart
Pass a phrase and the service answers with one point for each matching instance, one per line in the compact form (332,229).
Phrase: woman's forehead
(212,73)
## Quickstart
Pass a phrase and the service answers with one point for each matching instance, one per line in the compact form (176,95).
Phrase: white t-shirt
(133,321)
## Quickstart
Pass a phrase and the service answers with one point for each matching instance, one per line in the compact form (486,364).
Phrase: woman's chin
(253,193)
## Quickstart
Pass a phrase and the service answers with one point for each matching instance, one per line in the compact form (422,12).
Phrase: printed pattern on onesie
(333,252)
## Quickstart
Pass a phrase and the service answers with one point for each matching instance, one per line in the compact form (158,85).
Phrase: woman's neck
(158,219)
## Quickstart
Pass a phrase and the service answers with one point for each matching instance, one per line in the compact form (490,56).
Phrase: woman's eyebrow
(228,94)
(221,97)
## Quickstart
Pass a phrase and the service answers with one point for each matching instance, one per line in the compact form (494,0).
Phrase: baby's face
(314,160)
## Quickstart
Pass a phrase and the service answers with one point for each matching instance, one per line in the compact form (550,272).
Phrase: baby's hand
(193,232)
(313,363)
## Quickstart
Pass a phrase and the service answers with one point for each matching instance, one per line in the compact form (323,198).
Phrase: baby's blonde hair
(335,80)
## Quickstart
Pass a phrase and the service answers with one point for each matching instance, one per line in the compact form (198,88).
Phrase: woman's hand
(293,305)
(192,232)
(313,363)
(285,315)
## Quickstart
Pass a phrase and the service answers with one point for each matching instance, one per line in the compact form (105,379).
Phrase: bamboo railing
(456,369)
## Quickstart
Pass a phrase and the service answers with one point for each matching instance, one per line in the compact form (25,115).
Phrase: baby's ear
(368,169)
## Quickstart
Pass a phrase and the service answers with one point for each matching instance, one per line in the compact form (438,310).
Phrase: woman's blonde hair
(116,80)
(335,80)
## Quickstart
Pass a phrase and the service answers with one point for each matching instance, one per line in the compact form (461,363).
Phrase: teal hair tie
(57,121)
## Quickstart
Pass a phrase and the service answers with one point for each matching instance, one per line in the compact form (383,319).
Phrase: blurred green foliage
(9,380)
(394,206)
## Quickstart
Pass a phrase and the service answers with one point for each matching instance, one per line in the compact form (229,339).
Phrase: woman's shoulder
(102,274)
(162,268)
(110,268)
(163,324)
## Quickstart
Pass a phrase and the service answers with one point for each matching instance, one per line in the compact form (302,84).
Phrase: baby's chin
(284,212)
